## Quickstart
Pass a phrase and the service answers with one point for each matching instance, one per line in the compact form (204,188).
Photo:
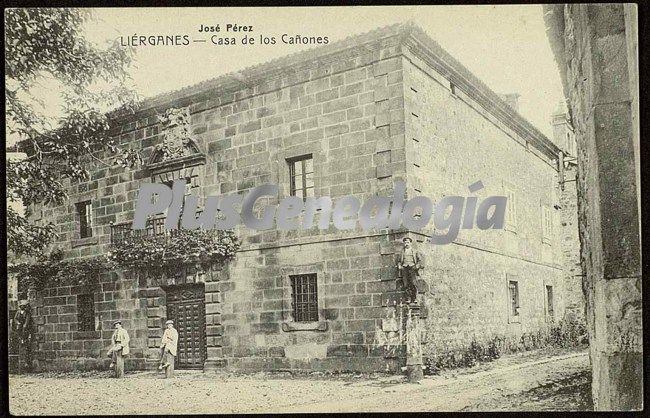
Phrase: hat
(169,321)
(117,322)
(407,238)
(23,303)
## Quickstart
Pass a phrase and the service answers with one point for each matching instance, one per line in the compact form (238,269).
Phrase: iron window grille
(513,286)
(304,289)
(84,209)
(549,303)
(301,173)
(86,312)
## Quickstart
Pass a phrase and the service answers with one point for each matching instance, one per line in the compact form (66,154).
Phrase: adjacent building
(596,48)
(349,118)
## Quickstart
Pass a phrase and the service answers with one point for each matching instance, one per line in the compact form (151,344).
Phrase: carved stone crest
(176,133)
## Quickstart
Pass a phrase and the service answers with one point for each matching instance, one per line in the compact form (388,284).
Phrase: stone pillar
(119,364)
(214,328)
(169,370)
(413,344)
(597,55)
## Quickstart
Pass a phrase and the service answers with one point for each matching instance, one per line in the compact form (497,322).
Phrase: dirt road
(515,383)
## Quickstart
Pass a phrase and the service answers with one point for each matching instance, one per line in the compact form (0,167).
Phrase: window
(304,296)
(570,144)
(301,173)
(84,210)
(513,293)
(86,312)
(191,183)
(547,224)
(549,303)
(511,209)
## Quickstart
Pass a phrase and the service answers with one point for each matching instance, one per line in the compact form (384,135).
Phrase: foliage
(52,270)
(47,44)
(562,334)
(178,248)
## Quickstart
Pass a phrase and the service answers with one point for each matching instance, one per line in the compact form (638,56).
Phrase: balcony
(155,227)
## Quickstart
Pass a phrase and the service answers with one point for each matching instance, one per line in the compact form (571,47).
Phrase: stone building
(595,46)
(349,118)
(564,138)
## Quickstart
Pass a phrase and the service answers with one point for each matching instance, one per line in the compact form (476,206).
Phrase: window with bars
(550,313)
(301,176)
(84,210)
(304,294)
(86,312)
(513,291)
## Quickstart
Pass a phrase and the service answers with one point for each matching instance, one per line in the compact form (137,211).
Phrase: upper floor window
(570,144)
(84,210)
(301,176)
(191,183)
(304,295)
(86,312)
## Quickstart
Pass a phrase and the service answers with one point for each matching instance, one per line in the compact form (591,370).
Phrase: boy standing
(168,345)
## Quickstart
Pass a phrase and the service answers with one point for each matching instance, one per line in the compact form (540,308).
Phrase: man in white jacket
(168,345)
(120,341)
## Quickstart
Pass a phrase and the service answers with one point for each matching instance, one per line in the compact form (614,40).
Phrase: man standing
(23,327)
(120,342)
(410,263)
(168,345)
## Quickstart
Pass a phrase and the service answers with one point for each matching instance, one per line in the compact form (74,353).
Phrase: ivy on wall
(154,253)
(51,270)
(181,247)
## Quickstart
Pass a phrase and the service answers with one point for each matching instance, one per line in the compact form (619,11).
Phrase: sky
(505,45)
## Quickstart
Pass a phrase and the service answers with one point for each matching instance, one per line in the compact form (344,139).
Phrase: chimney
(512,99)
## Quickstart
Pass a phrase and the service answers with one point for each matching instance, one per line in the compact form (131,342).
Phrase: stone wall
(451,143)
(570,242)
(596,51)
(352,275)
(60,342)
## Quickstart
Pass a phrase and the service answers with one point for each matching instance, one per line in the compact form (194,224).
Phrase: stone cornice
(269,76)
(314,63)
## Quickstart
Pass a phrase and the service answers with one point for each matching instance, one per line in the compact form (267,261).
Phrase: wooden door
(186,307)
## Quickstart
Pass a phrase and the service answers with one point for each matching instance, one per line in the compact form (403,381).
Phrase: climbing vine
(182,247)
(51,270)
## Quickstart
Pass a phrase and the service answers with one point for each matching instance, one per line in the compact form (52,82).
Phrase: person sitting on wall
(23,327)
(168,345)
(120,341)
(409,265)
